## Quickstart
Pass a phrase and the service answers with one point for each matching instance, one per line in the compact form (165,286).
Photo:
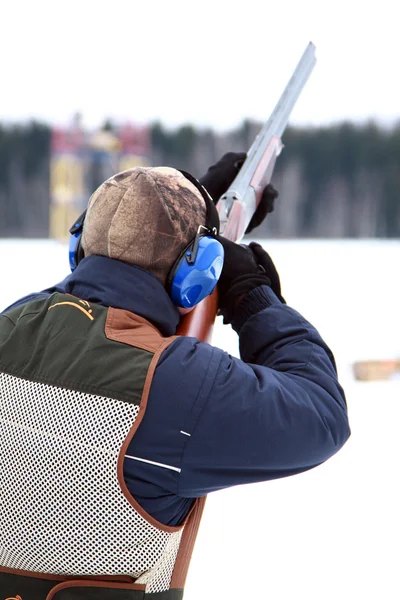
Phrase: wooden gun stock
(199,322)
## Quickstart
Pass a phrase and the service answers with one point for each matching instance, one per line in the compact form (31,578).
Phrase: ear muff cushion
(72,252)
(191,283)
(75,242)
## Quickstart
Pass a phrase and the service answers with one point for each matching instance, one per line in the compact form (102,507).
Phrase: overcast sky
(211,63)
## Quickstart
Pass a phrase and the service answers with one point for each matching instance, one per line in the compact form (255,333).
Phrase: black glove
(266,206)
(245,268)
(219,177)
(264,260)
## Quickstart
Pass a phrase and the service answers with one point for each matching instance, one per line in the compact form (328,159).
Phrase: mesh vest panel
(62,508)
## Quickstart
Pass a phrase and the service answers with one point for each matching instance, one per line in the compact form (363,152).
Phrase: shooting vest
(74,383)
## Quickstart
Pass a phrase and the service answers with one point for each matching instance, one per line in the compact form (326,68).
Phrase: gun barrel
(276,124)
(281,113)
(264,150)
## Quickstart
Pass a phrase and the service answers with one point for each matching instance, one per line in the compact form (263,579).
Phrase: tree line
(336,181)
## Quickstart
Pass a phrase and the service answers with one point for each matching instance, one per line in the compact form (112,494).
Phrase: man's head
(144,216)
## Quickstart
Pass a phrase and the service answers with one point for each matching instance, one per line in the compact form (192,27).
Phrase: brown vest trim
(31,574)
(124,447)
(128,328)
(124,326)
(87,583)
(46,586)
(63,578)
(187,544)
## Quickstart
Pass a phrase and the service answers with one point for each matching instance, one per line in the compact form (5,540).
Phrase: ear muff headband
(212,216)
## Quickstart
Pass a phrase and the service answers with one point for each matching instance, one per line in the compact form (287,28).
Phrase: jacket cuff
(254,302)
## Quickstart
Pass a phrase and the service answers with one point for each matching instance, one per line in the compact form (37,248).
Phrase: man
(114,429)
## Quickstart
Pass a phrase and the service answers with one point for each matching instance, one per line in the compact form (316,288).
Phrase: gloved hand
(264,261)
(220,176)
(245,268)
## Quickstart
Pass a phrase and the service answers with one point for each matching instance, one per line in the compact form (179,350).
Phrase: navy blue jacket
(214,421)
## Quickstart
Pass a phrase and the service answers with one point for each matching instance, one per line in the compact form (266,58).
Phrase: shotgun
(239,203)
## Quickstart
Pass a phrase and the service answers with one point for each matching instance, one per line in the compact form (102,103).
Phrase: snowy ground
(332,532)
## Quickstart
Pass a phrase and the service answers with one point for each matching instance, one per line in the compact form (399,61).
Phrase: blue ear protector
(196,272)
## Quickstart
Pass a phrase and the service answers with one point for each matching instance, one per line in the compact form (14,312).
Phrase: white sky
(211,63)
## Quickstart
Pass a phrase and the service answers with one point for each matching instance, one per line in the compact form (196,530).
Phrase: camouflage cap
(145,216)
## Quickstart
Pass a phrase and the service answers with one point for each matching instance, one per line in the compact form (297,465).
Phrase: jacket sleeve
(278,411)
